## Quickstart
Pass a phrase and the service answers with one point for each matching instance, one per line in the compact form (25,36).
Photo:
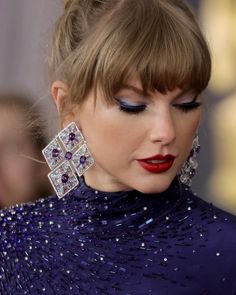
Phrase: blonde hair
(101,43)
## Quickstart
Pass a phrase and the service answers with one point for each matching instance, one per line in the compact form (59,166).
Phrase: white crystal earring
(67,155)
(190,166)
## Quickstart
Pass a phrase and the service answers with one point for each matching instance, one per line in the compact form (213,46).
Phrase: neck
(104,183)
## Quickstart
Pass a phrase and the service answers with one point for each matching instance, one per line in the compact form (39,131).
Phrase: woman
(21,179)
(127,78)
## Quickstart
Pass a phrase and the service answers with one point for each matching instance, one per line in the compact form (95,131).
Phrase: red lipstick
(157,163)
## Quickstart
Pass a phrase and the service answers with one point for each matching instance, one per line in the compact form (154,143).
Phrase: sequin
(123,243)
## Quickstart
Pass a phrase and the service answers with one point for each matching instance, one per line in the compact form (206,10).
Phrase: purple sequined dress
(124,243)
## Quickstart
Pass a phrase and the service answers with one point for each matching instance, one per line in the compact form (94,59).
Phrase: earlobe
(59,91)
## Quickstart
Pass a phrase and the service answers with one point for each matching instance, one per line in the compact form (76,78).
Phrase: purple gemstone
(82,160)
(68,155)
(71,136)
(64,178)
(55,153)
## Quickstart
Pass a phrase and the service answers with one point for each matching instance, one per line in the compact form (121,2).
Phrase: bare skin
(117,139)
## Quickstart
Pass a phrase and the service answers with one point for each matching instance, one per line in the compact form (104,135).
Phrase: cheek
(187,131)
(109,130)
(188,125)
(111,143)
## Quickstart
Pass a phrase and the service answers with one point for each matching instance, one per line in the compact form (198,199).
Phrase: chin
(154,186)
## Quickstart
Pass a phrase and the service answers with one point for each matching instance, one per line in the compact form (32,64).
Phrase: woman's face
(18,176)
(123,136)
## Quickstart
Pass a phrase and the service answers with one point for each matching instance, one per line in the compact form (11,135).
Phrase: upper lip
(159,157)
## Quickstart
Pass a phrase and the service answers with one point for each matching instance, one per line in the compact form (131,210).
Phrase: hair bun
(67,4)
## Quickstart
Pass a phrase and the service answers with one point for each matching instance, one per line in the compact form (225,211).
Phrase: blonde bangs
(164,48)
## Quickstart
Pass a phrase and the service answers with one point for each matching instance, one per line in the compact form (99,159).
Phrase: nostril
(164,136)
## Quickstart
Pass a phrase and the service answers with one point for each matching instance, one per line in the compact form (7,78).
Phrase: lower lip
(157,167)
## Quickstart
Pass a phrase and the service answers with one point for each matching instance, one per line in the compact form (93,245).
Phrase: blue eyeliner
(130,108)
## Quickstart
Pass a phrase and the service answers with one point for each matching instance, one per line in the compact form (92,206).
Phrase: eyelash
(185,107)
(130,109)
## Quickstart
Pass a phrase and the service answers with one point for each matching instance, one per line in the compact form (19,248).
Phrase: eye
(129,107)
(188,106)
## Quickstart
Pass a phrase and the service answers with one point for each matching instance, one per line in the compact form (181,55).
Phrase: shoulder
(28,233)
(209,216)
(29,224)
(19,222)
(36,216)
(206,238)
(208,212)
(215,229)
(210,230)
(25,213)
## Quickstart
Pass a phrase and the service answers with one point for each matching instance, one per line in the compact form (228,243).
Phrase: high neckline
(128,201)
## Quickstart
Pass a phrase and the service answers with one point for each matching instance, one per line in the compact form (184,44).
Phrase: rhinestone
(71,136)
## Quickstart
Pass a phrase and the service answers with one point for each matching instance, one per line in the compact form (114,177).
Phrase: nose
(163,128)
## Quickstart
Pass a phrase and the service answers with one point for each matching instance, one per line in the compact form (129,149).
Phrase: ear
(60,92)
